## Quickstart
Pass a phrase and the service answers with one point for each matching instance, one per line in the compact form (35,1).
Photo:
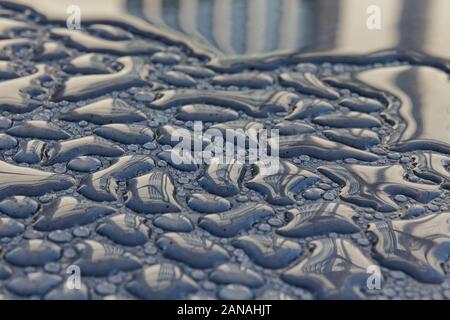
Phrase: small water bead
(325,186)
(150,249)
(364,242)
(275,222)
(52,267)
(10,228)
(60,236)
(207,203)
(150,146)
(33,284)
(7,142)
(165,58)
(133,148)
(304,158)
(242,198)
(235,292)
(350,161)
(33,253)
(446,294)
(116,278)
(208,285)
(5,271)
(32,234)
(81,232)
(5,123)
(379,216)
(368,216)
(161,163)
(124,95)
(264,227)
(155,124)
(105,288)
(313,193)
(394,156)
(19,207)
(378,150)
(405,160)
(329,196)
(183,180)
(356,236)
(144,96)
(198,275)
(400,198)
(149,260)
(433,207)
